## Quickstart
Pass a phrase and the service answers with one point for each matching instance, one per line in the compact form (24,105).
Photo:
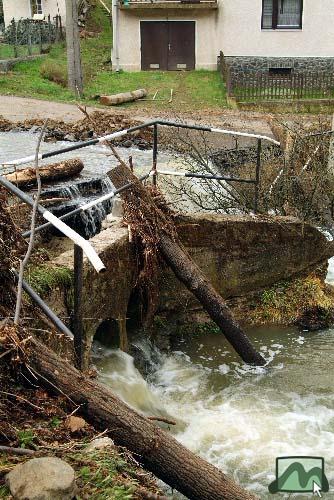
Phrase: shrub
(52,71)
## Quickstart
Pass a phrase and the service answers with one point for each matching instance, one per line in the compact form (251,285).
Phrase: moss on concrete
(46,277)
(287,302)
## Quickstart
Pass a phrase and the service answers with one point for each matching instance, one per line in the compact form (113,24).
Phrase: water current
(238,417)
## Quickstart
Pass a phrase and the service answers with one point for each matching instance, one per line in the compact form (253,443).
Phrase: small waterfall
(70,191)
(87,223)
(117,370)
(93,217)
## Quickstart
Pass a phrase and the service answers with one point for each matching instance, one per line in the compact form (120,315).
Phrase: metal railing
(81,245)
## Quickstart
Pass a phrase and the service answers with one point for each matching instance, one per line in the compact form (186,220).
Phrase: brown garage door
(167,45)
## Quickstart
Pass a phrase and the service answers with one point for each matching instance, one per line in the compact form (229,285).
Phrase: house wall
(235,29)
(18,9)
(241,35)
(205,35)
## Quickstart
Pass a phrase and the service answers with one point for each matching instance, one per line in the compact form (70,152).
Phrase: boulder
(46,478)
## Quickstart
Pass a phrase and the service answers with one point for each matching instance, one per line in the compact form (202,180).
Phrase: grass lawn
(193,90)
(7,51)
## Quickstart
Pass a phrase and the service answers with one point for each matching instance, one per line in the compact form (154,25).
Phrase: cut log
(52,172)
(157,450)
(184,267)
(112,100)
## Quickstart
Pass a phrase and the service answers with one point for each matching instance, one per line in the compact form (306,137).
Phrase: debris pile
(96,124)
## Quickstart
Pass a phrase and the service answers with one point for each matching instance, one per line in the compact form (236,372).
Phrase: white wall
(18,9)
(241,35)
(205,35)
(235,28)
(15,9)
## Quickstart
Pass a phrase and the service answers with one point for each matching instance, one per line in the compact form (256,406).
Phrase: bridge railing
(82,246)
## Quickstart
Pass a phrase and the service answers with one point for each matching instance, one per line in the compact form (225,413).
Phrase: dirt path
(21,108)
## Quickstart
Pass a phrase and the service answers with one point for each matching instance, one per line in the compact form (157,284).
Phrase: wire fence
(27,37)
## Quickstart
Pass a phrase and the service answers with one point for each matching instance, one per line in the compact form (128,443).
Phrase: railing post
(155,153)
(257,175)
(77,313)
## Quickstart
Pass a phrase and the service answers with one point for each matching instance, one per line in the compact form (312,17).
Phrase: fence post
(257,175)
(60,29)
(40,38)
(15,37)
(29,38)
(57,38)
(77,309)
(49,31)
(155,153)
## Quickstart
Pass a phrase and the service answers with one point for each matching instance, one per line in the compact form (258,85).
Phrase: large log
(112,100)
(52,172)
(157,450)
(183,266)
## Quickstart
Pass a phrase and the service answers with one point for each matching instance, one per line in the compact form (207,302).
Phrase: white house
(288,35)
(22,9)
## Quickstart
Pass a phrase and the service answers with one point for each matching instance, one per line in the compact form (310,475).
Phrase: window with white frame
(36,7)
(282,14)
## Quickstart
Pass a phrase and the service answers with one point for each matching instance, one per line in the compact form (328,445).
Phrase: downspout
(115,35)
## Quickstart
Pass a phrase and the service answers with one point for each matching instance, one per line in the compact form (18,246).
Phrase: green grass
(7,51)
(44,278)
(193,90)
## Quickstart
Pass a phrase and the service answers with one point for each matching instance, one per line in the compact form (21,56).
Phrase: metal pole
(78,313)
(45,308)
(155,153)
(257,175)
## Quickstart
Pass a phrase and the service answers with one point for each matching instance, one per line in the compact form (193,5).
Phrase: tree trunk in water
(184,267)
(52,172)
(192,277)
(159,452)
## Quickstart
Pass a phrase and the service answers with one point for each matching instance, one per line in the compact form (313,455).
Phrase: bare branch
(31,244)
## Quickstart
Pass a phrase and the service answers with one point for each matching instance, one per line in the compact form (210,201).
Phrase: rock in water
(46,478)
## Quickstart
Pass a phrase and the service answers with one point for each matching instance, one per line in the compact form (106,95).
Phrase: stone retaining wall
(243,65)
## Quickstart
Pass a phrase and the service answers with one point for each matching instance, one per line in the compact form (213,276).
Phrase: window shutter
(267,14)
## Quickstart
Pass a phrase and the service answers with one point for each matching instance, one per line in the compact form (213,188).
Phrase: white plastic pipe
(26,159)
(245,134)
(87,248)
(170,172)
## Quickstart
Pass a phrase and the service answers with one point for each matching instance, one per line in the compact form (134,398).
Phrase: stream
(92,181)
(240,418)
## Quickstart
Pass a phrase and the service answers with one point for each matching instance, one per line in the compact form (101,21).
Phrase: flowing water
(92,182)
(237,417)
(240,418)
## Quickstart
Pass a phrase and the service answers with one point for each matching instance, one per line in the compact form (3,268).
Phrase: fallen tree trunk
(52,172)
(158,451)
(112,100)
(183,266)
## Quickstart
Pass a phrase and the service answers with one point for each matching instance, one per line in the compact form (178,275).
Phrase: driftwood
(52,172)
(112,100)
(183,266)
(156,449)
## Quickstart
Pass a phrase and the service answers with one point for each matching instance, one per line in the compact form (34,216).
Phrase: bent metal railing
(81,245)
